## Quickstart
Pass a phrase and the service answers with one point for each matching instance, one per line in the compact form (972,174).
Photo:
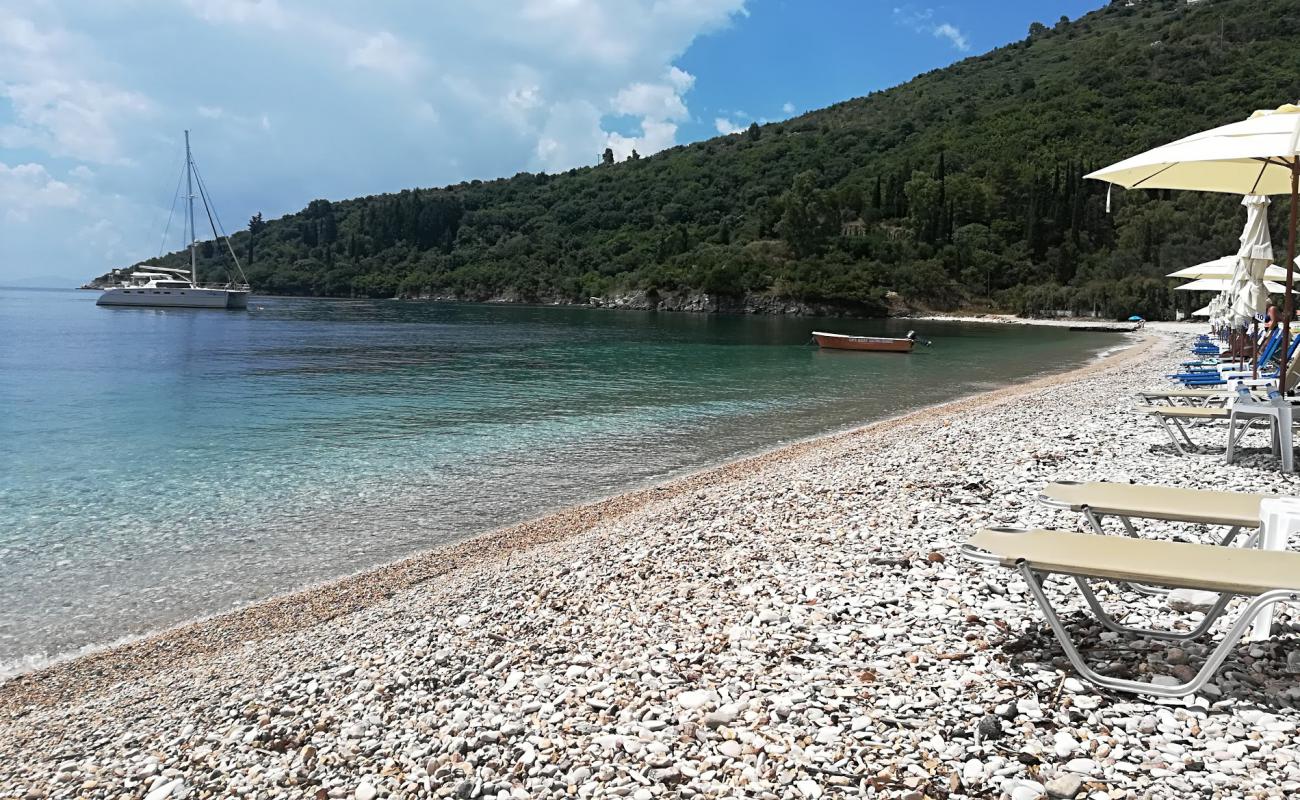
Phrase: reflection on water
(163,464)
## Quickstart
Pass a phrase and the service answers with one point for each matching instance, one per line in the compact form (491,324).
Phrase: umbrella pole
(1287,306)
(1254,350)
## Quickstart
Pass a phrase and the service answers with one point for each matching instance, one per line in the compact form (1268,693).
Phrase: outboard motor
(912,335)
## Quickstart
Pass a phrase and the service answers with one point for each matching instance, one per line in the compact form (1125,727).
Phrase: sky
(292,100)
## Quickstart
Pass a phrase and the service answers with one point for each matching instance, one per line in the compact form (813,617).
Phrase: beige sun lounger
(1186,397)
(1097,500)
(1241,416)
(1174,420)
(1267,577)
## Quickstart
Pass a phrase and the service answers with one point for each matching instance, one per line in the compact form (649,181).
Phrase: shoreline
(73,675)
(828,312)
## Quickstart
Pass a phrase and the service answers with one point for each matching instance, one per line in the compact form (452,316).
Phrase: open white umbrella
(1222,285)
(1259,155)
(1223,268)
(1201,312)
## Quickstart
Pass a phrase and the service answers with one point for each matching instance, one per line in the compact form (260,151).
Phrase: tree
(753,132)
(255,226)
(1036,29)
(634,155)
(608,156)
(808,220)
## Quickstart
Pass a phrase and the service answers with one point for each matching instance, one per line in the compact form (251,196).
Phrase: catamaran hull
(837,341)
(174,298)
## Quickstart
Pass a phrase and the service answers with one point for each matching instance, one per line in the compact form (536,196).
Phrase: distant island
(960,189)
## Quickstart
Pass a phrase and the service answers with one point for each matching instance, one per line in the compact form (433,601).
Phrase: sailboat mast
(189,190)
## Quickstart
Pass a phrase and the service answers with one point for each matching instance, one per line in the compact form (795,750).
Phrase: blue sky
(290,100)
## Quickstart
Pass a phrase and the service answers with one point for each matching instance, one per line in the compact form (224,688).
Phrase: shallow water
(158,465)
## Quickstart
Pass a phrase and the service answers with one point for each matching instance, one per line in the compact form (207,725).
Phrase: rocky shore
(792,625)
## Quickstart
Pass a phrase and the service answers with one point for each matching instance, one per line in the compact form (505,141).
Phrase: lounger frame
(1037,578)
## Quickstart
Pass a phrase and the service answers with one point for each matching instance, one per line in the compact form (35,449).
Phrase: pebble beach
(794,625)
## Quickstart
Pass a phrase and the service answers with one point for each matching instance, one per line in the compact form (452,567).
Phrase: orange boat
(838,341)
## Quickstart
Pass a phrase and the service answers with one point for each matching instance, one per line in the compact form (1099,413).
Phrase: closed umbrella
(1253,259)
(1259,155)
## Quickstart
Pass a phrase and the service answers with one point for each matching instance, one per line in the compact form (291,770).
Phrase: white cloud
(27,188)
(660,106)
(950,32)
(385,53)
(923,22)
(60,104)
(211,112)
(657,101)
(787,107)
(725,126)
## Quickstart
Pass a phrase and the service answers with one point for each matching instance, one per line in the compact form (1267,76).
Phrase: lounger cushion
(1236,570)
(1157,502)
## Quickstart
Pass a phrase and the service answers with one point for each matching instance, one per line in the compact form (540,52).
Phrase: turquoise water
(158,465)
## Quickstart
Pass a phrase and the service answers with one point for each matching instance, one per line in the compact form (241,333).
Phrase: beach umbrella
(1224,287)
(1254,258)
(1218,268)
(1258,155)
(1204,311)
(1223,268)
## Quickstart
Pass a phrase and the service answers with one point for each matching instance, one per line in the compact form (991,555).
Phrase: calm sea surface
(158,465)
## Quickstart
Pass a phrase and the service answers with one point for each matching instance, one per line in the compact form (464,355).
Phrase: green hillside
(959,188)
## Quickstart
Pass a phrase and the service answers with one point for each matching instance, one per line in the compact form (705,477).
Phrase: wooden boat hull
(879,344)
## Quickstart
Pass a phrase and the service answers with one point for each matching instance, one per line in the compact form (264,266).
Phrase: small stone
(1064,744)
(365,791)
(1064,786)
(1189,600)
(693,699)
(989,728)
(166,790)
(1026,790)
(810,789)
(724,715)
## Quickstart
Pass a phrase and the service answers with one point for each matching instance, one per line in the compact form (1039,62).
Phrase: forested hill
(960,187)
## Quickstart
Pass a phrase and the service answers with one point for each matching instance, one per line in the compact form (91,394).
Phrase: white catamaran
(178,288)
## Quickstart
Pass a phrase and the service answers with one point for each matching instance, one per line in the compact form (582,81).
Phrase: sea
(158,466)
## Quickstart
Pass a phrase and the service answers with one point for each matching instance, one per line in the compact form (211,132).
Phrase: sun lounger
(1240,416)
(1186,397)
(1231,370)
(1096,500)
(1267,577)
(1174,420)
